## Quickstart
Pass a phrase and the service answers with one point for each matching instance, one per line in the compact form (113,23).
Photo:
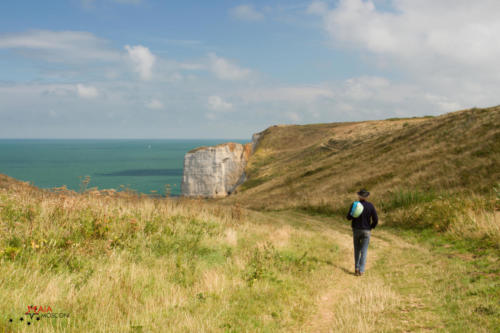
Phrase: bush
(260,264)
(461,216)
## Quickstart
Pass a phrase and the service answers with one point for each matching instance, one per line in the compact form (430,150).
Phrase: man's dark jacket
(363,221)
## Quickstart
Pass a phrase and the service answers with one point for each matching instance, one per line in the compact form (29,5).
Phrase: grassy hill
(421,171)
(301,164)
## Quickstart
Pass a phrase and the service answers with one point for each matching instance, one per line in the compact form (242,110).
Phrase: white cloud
(58,90)
(365,87)
(301,94)
(60,46)
(191,66)
(251,109)
(443,103)
(154,104)
(225,70)
(142,59)
(87,92)
(318,8)
(356,98)
(446,35)
(245,13)
(181,42)
(216,103)
(446,49)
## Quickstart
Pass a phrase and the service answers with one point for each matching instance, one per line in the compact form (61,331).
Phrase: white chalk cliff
(215,171)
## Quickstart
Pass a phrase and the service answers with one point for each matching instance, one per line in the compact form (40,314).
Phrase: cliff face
(215,171)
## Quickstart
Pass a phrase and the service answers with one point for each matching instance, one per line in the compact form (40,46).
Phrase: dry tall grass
(120,263)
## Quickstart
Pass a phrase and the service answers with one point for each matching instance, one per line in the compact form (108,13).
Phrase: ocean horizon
(145,165)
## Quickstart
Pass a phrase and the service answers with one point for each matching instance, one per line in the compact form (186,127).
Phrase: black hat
(363,193)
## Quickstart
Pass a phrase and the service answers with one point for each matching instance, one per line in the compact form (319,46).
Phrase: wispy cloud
(301,94)
(225,69)
(185,42)
(217,103)
(246,13)
(60,46)
(318,8)
(191,66)
(87,92)
(142,59)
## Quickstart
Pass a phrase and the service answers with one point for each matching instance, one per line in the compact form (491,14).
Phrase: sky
(228,69)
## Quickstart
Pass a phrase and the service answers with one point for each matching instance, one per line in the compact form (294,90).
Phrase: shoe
(360,273)
(356,272)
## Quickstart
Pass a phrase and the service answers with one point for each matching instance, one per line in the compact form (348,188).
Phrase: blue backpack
(356,209)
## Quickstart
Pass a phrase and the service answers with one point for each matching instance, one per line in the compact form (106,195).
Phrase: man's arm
(374,218)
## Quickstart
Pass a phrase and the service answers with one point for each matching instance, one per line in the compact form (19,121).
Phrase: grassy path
(407,287)
(340,281)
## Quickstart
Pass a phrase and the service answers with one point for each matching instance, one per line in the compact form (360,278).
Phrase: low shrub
(460,216)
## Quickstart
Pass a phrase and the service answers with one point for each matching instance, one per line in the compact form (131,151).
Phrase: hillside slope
(325,164)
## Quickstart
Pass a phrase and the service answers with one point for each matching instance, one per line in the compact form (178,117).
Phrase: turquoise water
(142,165)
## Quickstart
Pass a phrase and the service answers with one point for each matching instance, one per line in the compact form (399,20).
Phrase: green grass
(253,183)
(404,198)
(456,280)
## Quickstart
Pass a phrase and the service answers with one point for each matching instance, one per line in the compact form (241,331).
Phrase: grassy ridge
(309,163)
(432,172)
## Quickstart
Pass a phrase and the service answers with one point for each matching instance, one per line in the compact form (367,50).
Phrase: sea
(151,166)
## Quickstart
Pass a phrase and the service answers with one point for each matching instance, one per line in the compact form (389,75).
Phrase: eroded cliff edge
(216,171)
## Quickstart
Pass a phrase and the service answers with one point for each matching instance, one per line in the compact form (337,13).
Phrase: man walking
(361,227)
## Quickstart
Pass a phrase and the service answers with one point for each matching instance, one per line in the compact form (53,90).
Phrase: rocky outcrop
(215,171)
